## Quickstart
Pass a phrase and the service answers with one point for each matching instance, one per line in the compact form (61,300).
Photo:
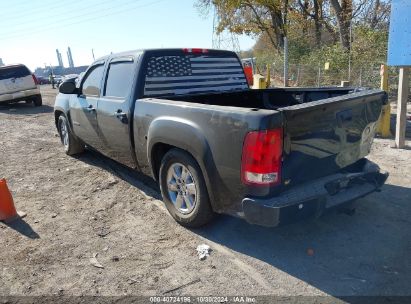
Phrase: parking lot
(87,209)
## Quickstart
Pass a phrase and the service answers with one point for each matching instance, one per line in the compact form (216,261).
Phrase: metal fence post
(319,76)
(268,76)
(285,62)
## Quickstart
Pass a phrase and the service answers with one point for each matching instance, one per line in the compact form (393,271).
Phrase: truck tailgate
(323,136)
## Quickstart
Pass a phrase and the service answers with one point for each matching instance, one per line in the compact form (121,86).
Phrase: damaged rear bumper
(313,198)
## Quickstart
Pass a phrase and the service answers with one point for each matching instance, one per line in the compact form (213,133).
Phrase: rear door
(83,108)
(15,78)
(323,136)
(113,111)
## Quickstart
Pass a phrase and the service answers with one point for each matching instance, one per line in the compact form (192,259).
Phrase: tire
(71,145)
(37,101)
(192,209)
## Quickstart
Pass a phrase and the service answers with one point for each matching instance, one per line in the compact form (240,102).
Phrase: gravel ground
(86,207)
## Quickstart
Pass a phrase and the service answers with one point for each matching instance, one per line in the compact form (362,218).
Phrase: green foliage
(369,46)
(318,31)
(334,54)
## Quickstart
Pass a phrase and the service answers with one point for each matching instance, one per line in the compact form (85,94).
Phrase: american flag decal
(175,75)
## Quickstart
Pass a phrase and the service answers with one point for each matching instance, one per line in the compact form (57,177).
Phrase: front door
(113,111)
(83,112)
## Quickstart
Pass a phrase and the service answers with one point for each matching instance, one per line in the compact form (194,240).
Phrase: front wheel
(71,145)
(183,189)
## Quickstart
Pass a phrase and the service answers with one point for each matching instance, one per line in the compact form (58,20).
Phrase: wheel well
(157,153)
(57,114)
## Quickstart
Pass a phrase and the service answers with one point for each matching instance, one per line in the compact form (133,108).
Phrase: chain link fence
(301,75)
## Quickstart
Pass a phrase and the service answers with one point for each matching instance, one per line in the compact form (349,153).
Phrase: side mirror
(68,87)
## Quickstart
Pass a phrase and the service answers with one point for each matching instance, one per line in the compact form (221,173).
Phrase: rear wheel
(37,100)
(183,189)
(71,145)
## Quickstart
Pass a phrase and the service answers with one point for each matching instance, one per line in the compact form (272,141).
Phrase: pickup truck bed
(271,156)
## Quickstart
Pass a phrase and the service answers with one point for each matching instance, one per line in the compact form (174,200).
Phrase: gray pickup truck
(188,118)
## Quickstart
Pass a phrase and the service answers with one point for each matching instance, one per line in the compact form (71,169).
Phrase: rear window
(14,72)
(188,74)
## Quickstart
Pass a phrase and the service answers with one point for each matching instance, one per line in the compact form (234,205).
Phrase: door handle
(90,108)
(119,113)
(121,116)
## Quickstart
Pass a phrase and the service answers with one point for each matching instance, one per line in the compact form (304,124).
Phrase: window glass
(119,79)
(14,72)
(91,85)
(191,74)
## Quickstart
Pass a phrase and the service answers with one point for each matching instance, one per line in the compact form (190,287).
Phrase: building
(58,70)
(1,62)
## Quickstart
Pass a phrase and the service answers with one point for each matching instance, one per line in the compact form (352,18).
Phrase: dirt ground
(79,207)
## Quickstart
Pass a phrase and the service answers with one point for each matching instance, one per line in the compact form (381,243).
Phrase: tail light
(195,51)
(36,82)
(261,159)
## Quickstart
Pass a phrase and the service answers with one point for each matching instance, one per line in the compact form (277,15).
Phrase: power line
(51,25)
(17,5)
(82,21)
(82,9)
(37,8)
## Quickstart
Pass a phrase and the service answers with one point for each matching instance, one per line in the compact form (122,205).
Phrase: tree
(308,24)
(372,13)
(344,12)
(252,17)
(315,12)
(375,14)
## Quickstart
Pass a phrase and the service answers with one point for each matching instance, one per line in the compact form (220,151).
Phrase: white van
(17,83)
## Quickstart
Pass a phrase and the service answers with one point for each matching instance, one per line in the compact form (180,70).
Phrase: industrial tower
(70,58)
(59,58)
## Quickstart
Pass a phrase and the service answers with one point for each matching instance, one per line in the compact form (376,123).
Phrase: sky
(32,30)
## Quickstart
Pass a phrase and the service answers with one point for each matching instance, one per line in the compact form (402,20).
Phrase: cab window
(92,82)
(119,78)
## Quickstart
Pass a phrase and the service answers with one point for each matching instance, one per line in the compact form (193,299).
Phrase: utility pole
(92,53)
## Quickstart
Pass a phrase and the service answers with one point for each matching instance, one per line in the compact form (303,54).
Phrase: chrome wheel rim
(181,188)
(64,134)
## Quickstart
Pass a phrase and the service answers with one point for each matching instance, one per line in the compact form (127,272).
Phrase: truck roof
(163,50)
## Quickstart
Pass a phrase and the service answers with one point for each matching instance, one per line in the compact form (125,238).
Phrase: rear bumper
(19,95)
(313,198)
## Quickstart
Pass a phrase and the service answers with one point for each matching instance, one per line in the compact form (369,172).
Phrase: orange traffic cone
(8,212)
